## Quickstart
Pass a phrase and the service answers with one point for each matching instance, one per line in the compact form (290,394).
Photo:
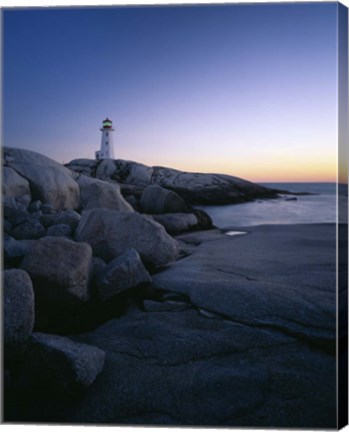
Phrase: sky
(248,90)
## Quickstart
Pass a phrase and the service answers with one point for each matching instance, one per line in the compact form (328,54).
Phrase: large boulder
(13,184)
(16,248)
(106,169)
(122,273)
(177,222)
(18,298)
(58,363)
(29,229)
(96,193)
(133,173)
(49,181)
(13,214)
(59,268)
(111,233)
(66,217)
(59,230)
(157,200)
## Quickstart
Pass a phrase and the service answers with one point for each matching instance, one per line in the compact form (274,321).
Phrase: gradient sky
(247,90)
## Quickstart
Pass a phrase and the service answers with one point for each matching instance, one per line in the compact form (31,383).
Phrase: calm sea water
(317,208)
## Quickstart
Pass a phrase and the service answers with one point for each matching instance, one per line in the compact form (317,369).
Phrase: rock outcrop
(59,364)
(13,184)
(195,188)
(177,222)
(126,271)
(49,181)
(18,302)
(111,233)
(157,200)
(59,269)
(96,193)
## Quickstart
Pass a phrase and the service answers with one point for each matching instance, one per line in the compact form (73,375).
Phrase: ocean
(317,208)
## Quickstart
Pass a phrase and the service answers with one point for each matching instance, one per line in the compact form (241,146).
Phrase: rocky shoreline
(123,304)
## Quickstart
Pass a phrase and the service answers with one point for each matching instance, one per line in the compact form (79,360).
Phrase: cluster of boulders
(79,241)
(73,245)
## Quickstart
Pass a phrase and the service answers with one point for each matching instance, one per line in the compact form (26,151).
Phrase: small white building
(107,149)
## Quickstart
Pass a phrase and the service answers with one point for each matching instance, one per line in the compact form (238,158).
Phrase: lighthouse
(107,150)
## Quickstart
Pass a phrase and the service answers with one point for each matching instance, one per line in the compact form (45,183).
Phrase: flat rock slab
(274,276)
(181,368)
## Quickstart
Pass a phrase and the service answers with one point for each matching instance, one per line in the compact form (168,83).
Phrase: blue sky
(248,90)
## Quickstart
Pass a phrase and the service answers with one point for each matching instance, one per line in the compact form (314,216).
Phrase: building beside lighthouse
(107,149)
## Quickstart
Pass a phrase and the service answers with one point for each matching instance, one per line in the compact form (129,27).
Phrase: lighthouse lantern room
(107,150)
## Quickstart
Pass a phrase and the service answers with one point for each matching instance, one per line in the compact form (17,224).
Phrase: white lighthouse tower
(107,150)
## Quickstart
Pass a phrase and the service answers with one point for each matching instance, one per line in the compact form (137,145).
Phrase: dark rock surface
(16,248)
(157,200)
(29,229)
(59,230)
(57,363)
(66,217)
(111,233)
(18,303)
(60,264)
(255,348)
(124,272)
(177,222)
(60,271)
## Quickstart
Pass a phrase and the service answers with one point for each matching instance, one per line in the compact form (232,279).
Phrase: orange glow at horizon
(279,169)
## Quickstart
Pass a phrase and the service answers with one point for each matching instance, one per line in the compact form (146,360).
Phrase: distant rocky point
(196,188)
